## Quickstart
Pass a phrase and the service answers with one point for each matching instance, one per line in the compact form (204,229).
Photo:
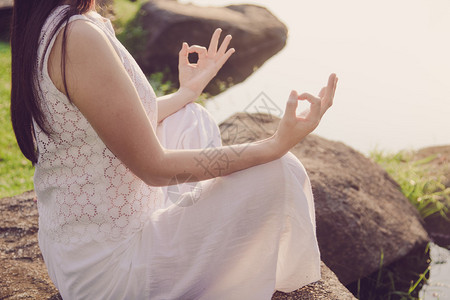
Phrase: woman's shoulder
(57,15)
(87,44)
(84,31)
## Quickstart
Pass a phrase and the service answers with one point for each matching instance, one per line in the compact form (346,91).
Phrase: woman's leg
(244,234)
(248,234)
(192,127)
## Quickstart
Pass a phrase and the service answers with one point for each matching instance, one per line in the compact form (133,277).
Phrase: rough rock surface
(329,287)
(22,272)
(360,210)
(257,35)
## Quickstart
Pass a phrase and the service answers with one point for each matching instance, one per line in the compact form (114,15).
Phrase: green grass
(160,84)
(128,30)
(16,172)
(424,190)
(125,11)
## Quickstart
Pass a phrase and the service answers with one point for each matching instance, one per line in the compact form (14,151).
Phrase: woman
(103,147)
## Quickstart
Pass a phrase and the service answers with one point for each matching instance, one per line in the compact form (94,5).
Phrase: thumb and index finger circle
(315,104)
(200,50)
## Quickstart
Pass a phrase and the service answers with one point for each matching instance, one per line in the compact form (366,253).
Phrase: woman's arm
(104,93)
(169,104)
(195,76)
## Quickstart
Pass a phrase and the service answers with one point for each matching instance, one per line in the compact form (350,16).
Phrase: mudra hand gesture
(195,76)
(292,128)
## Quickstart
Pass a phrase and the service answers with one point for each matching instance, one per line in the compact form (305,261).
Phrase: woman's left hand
(195,77)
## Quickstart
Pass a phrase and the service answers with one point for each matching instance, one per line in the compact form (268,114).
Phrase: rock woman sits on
(105,149)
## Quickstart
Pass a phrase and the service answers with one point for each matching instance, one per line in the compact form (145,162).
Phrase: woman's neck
(73,2)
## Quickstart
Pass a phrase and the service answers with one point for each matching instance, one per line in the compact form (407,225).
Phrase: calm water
(392,58)
(393,63)
(438,286)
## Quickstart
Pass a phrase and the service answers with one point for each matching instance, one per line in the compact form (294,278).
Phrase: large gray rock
(257,35)
(360,210)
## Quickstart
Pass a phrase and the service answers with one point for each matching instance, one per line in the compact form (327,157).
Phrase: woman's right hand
(292,127)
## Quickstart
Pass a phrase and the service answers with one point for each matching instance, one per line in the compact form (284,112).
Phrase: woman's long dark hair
(27,22)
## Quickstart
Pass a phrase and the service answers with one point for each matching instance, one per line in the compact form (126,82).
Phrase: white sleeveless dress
(105,234)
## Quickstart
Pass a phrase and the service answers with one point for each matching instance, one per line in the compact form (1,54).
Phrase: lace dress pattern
(84,192)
